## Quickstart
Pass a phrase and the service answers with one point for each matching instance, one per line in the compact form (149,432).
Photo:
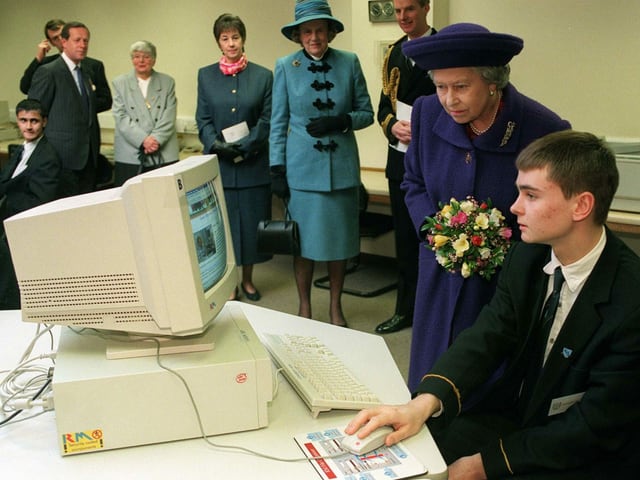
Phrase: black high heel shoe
(253,296)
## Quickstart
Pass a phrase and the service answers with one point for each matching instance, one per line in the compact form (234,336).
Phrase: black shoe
(394,324)
(253,296)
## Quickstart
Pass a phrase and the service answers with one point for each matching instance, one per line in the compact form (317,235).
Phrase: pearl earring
(492,92)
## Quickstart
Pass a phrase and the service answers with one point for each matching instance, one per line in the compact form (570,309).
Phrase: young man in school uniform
(566,406)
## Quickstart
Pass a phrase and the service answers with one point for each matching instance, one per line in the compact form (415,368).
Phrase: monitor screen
(208,233)
(154,256)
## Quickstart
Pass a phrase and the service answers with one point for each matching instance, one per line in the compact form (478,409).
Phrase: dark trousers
(407,245)
(76,182)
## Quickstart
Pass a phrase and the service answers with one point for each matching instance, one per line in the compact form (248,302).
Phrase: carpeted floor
(365,278)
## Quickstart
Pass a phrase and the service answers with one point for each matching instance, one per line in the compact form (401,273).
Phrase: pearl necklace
(493,118)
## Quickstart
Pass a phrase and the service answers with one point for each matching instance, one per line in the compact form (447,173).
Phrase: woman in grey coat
(144,109)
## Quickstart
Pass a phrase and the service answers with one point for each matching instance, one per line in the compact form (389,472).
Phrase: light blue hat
(307,10)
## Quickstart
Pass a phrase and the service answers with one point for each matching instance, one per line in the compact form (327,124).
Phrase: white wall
(580,56)
(181,30)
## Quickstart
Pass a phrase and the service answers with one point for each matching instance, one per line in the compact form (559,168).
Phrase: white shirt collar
(28,148)
(72,66)
(317,59)
(425,34)
(577,273)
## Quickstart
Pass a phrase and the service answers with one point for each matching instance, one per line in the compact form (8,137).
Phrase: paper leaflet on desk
(384,463)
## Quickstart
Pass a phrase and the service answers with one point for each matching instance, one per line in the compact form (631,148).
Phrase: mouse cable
(194,405)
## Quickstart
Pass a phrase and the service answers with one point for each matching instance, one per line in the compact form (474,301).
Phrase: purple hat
(307,10)
(463,45)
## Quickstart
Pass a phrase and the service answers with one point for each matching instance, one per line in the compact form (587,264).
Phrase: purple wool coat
(442,162)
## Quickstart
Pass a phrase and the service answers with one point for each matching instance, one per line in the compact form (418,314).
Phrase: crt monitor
(152,257)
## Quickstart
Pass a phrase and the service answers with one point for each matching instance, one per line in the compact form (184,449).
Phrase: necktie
(551,305)
(549,311)
(539,343)
(81,88)
(79,80)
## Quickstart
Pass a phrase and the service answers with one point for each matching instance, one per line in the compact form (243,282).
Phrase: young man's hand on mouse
(406,420)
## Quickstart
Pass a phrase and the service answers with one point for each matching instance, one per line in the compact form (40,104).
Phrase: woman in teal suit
(237,93)
(319,98)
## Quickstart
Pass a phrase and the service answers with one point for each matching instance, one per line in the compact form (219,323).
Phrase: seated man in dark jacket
(29,179)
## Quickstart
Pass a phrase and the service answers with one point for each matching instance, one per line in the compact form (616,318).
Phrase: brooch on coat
(296,63)
(507,135)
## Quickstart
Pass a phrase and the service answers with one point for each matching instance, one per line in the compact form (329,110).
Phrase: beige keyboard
(320,378)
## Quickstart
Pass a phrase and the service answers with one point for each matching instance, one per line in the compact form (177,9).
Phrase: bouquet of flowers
(468,237)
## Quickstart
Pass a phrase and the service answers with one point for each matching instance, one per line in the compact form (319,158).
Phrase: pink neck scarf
(233,68)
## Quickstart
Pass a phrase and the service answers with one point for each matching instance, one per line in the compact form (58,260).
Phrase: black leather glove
(226,152)
(279,185)
(320,126)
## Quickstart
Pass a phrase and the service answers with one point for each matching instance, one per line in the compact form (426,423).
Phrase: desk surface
(30,447)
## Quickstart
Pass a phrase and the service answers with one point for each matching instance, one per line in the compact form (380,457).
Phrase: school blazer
(597,354)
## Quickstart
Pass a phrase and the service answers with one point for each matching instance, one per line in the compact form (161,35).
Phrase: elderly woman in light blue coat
(144,109)
(319,98)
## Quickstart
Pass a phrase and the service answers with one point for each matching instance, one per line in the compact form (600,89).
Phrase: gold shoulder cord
(390,79)
(390,82)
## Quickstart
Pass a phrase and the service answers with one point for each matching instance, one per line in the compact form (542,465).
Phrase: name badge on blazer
(562,404)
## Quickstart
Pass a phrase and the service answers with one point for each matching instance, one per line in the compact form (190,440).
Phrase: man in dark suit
(52,31)
(29,179)
(566,404)
(402,83)
(93,67)
(67,92)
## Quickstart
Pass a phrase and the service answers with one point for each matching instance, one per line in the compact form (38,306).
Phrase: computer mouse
(361,446)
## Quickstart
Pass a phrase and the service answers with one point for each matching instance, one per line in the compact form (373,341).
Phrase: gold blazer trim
(453,387)
(504,455)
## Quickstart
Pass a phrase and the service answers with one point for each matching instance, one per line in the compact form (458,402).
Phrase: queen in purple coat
(465,140)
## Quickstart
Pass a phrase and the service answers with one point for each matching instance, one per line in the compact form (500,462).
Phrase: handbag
(279,236)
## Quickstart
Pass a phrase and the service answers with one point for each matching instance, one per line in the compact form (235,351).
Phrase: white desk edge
(30,447)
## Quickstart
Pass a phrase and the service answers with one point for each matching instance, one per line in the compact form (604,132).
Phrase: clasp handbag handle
(279,236)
